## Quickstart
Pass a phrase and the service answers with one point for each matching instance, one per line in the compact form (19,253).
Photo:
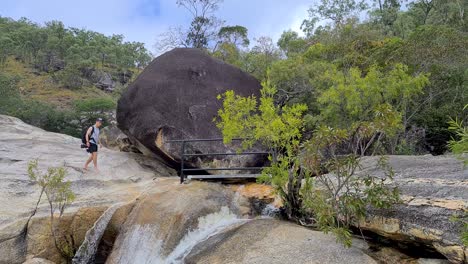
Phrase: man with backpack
(91,140)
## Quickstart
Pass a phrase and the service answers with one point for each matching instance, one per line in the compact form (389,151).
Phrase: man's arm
(88,134)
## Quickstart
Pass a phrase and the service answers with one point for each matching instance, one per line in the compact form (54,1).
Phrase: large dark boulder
(175,98)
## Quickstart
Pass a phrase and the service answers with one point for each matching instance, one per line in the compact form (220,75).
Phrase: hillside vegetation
(58,78)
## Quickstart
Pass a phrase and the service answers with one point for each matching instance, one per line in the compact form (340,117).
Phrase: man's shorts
(92,148)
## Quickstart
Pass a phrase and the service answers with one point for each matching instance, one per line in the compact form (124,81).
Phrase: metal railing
(184,155)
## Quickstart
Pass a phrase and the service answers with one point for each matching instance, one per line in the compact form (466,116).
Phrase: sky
(144,20)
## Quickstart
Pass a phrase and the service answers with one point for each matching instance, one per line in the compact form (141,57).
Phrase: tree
(290,43)
(228,53)
(6,48)
(259,59)
(9,94)
(353,97)
(174,37)
(230,41)
(236,35)
(337,11)
(425,6)
(387,13)
(201,32)
(203,27)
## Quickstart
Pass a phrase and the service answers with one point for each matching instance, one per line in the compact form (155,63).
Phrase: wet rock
(433,189)
(162,217)
(272,241)
(175,98)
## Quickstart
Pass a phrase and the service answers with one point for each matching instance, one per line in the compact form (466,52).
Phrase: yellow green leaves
(355,95)
(278,128)
(263,121)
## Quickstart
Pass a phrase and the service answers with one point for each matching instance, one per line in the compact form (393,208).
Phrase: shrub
(59,196)
(9,94)
(460,146)
(341,197)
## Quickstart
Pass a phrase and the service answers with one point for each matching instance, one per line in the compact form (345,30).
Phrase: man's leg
(95,160)
(88,161)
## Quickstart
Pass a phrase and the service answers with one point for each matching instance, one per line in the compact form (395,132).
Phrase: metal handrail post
(182,157)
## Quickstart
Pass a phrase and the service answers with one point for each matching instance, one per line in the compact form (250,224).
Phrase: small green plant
(341,196)
(459,147)
(59,196)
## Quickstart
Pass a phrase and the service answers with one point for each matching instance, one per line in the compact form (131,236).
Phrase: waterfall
(88,248)
(208,226)
(142,245)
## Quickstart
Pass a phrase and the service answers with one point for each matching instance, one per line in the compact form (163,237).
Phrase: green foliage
(196,36)
(9,94)
(277,128)
(97,105)
(341,195)
(460,146)
(353,96)
(73,45)
(340,198)
(70,78)
(89,110)
(236,35)
(68,51)
(290,43)
(59,196)
(258,60)
(339,11)
(231,40)
(34,112)
(228,53)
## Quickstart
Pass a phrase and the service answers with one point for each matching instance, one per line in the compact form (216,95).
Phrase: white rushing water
(142,246)
(208,226)
(88,248)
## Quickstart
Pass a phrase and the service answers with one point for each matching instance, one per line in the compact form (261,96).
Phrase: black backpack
(83,134)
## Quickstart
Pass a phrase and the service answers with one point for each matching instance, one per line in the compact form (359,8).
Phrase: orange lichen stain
(258,191)
(255,190)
